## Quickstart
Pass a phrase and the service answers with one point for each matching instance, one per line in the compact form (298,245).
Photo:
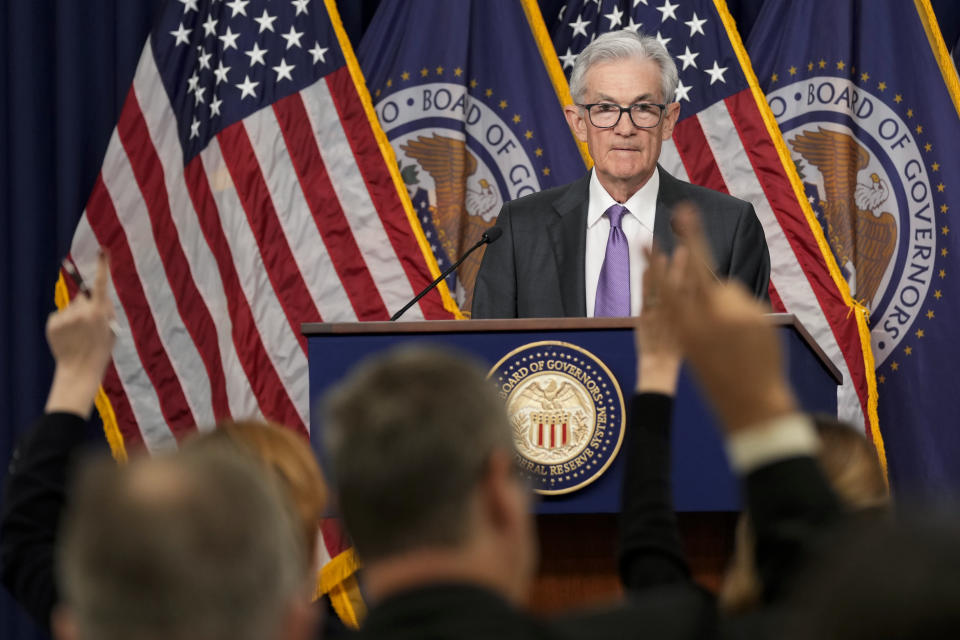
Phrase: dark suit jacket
(537,268)
(790,500)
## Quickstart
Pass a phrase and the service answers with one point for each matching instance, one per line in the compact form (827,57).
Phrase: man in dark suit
(578,250)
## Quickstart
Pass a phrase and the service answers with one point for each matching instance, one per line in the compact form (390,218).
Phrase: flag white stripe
(278,339)
(788,277)
(671,162)
(137,386)
(159,119)
(361,214)
(306,244)
(121,185)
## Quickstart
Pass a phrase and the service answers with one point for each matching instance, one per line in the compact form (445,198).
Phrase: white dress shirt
(637,227)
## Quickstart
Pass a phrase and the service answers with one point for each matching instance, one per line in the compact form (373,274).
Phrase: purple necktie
(613,288)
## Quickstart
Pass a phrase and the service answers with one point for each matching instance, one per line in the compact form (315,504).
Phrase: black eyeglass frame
(663,109)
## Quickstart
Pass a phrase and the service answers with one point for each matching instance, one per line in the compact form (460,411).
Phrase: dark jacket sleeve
(793,510)
(33,501)
(495,290)
(651,553)
(750,258)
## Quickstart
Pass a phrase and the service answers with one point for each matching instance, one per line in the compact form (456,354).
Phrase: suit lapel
(568,235)
(663,235)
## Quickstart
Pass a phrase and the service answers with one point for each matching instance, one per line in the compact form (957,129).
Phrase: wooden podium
(577,530)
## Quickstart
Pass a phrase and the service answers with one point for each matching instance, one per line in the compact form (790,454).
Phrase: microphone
(489,236)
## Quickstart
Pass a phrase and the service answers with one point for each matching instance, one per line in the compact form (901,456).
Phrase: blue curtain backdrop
(67,66)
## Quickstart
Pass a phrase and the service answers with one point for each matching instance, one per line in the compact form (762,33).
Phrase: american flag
(247,188)
(727,140)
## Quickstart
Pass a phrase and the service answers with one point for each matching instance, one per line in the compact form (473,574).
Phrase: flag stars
(292,37)
(229,39)
(864,76)
(283,70)
(389,82)
(546,171)
(198,96)
(716,73)
(405,76)
(615,17)
(439,71)
(474,83)
(663,40)
(683,91)
(909,113)
(938,294)
(793,71)
(944,208)
(919,128)
(944,229)
(188,6)
(194,129)
(204,60)
(516,118)
(247,88)
(633,26)
(942,273)
(503,104)
(696,25)
(944,252)
(882,86)
(300,6)
(210,26)
(930,314)
(898,98)
(238,7)
(528,134)
(221,72)
(192,82)
(841,65)
(424,72)
(908,351)
(688,58)
(927,147)
(538,152)
(940,187)
(265,21)
(319,53)
(579,27)
(809,66)
(895,365)
(256,55)
(215,106)
(458,72)
(488,92)
(881,378)
(668,11)
(935,166)
(182,35)
(568,58)
(920,333)
(822,63)
(774,77)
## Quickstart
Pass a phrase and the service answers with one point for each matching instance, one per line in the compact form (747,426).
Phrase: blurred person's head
(851,466)
(288,456)
(200,544)
(893,580)
(421,456)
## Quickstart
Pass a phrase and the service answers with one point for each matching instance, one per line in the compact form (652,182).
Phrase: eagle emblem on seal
(465,207)
(862,235)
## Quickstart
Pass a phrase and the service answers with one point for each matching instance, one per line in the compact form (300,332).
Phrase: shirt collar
(642,205)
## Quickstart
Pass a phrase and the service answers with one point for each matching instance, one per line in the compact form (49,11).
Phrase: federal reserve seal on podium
(567,413)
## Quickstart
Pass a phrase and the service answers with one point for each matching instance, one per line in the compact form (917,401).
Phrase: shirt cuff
(789,436)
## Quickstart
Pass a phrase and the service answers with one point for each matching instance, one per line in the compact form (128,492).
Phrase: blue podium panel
(702,480)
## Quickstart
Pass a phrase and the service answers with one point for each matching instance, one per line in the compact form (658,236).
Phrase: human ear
(577,121)
(670,119)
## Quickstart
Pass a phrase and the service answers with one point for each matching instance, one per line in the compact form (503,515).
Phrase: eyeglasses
(605,115)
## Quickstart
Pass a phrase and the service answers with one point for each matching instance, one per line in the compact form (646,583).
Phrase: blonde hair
(292,461)
(850,463)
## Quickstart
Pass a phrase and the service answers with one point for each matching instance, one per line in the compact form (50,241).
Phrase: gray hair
(622,45)
(193,545)
(407,436)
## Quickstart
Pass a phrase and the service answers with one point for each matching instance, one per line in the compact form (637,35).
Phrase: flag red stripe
(765,161)
(271,395)
(334,537)
(126,422)
(776,303)
(148,171)
(287,281)
(381,188)
(156,363)
(328,214)
(695,154)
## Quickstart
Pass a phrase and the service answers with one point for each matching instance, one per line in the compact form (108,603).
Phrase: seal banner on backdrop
(567,413)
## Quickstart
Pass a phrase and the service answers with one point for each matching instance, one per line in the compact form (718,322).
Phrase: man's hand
(734,351)
(658,348)
(81,339)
